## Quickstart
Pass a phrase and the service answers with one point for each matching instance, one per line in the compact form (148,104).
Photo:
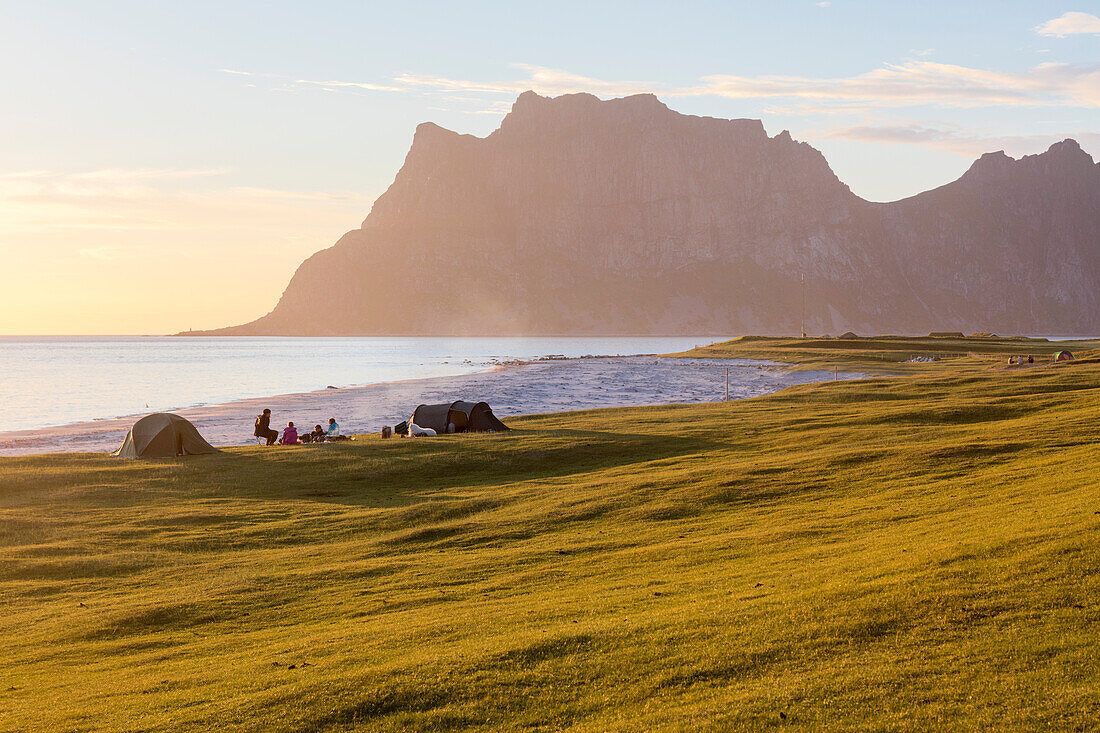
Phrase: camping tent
(1061,356)
(472,417)
(163,435)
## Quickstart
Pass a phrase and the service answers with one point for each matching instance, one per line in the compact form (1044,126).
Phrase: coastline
(514,388)
(83,379)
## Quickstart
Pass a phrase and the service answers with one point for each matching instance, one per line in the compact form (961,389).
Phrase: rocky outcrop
(582,216)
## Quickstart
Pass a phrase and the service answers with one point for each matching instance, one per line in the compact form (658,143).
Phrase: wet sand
(536,387)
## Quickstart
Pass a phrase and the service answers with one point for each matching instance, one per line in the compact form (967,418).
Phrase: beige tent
(163,435)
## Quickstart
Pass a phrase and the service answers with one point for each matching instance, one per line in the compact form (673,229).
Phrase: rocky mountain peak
(588,216)
(1068,148)
(1065,158)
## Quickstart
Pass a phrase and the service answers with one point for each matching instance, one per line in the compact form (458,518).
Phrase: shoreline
(513,388)
(64,381)
(192,412)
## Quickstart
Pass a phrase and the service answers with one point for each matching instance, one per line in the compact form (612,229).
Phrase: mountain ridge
(585,216)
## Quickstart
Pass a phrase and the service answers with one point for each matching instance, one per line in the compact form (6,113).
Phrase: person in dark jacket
(263,428)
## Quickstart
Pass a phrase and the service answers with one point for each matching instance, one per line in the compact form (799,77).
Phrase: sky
(167,165)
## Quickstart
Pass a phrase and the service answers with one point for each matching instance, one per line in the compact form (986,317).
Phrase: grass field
(891,354)
(894,553)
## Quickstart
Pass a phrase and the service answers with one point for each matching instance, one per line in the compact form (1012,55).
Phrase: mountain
(582,216)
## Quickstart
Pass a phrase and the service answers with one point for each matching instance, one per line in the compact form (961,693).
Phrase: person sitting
(290,434)
(263,428)
(318,435)
(333,433)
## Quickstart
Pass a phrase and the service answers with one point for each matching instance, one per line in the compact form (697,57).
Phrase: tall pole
(803,305)
(727,384)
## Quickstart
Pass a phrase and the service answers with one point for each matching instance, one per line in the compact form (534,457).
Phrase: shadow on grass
(407,472)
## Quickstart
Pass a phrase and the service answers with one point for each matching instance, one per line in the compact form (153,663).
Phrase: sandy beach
(535,387)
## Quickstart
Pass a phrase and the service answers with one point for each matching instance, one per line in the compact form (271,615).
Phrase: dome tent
(163,435)
(467,417)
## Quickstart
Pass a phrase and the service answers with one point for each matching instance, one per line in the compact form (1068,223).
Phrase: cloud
(540,79)
(30,189)
(824,4)
(332,85)
(152,199)
(1071,23)
(473,97)
(923,82)
(116,174)
(954,139)
(914,82)
(110,252)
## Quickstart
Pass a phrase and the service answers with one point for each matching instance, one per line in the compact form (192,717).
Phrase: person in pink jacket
(290,434)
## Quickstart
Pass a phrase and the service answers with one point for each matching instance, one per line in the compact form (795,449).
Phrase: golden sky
(153,250)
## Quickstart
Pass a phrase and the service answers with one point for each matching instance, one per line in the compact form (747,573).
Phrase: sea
(55,380)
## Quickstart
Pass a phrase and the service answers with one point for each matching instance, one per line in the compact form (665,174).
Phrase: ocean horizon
(60,380)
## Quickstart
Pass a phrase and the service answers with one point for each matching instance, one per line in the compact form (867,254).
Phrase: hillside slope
(903,553)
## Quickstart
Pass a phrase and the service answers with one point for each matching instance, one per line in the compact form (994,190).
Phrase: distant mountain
(582,216)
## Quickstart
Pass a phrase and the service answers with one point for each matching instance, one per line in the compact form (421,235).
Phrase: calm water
(59,380)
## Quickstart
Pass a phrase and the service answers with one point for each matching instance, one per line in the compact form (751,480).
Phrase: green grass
(889,354)
(889,554)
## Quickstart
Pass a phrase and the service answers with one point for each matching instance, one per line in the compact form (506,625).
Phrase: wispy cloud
(914,82)
(954,138)
(34,187)
(111,252)
(473,96)
(149,199)
(923,83)
(539,79)
(1069,24)
(352,85)
(116,174)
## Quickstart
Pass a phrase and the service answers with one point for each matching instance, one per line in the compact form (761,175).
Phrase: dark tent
(1061,356)
(163,435)
(467,417)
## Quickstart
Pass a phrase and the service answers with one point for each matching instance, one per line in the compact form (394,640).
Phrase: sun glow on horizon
(161,251)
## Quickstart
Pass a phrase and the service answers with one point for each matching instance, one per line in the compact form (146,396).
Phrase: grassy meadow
(894,553)
(890,354)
